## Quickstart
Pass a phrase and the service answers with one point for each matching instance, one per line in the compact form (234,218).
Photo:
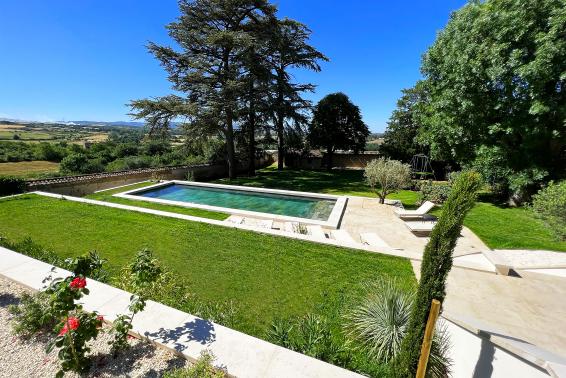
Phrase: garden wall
(340,160)
(85,184)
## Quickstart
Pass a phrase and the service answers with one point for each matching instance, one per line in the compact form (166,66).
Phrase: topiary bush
(550,205)
(434,192)
(11,185)
(436,264)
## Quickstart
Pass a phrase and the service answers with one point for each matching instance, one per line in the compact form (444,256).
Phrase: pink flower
(78,283)
(72,323)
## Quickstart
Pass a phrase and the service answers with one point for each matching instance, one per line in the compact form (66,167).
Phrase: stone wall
(85,184)
(340,160)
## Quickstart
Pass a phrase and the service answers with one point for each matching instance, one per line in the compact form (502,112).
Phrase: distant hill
(75,123)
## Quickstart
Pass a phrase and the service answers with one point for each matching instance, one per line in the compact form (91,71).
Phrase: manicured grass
(339,182)
(266,276)
(28,168)
(511,228)
(107,196)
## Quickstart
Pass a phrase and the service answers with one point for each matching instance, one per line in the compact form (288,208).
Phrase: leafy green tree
(214,37)
(289,49)
(436,264)
(550,205)
(337,125)
(495,79)
(385,176)
(400,138)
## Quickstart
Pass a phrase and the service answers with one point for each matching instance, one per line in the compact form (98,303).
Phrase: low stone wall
(340,160)
(86,184)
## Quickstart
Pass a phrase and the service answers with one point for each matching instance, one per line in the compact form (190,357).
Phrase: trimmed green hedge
(11,185)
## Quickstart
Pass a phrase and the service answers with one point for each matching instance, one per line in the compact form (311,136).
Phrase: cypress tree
(436,264)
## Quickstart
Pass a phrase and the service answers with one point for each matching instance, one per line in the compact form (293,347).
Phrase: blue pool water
(292,206)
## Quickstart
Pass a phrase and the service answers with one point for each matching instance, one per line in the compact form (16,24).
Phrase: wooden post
(428,336)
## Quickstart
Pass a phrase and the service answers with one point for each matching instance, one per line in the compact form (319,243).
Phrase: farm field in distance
(47,132)
(28,168)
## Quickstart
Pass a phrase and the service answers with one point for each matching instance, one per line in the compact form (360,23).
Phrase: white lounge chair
(420,227)
(342,236)
(418,213)
(265,223)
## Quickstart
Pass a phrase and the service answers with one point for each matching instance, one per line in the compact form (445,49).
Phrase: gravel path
(27,358)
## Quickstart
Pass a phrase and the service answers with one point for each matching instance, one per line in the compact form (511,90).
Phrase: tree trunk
(232,170)
(280,144)
(329,154)
(251,140)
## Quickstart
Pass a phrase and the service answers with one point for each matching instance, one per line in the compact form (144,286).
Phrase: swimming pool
(278,204)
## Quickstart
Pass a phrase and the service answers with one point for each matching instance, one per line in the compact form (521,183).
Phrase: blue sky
(84,60)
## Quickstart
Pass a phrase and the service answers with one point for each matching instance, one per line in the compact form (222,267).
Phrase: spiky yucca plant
(379,324)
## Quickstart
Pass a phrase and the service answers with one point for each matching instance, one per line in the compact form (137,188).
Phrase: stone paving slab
(242,355)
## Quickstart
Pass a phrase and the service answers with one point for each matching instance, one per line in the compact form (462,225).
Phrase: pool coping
(333,220)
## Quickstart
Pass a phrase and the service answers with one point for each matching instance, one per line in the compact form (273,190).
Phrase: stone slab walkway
(242,355)
(531,308)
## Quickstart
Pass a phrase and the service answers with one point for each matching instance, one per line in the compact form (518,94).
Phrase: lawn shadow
(197,330)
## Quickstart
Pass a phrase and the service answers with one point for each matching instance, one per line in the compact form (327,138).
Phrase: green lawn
(107,196)
(339,182)
(511,228)
(266,276)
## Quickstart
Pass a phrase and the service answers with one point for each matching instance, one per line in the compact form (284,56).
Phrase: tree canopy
(495,81)
(337,125)
(400,138)
(230,70)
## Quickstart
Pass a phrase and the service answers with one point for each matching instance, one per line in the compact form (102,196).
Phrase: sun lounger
(420,227)
(418,213)
(316,232)
(342,236)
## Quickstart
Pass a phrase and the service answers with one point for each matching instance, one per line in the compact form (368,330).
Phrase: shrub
(434,192)
(550,205)
(380,322)
(436,264)
(141,276)
(11,185)
(310,335)
(202,368)
(386,176)
(32,315)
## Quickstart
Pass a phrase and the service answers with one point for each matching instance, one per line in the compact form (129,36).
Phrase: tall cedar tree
(436,264)
(337,125)
(289,49)
(215,39)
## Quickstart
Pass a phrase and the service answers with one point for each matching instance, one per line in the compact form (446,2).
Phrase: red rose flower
(100,320)
(78,283)
(72,323)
